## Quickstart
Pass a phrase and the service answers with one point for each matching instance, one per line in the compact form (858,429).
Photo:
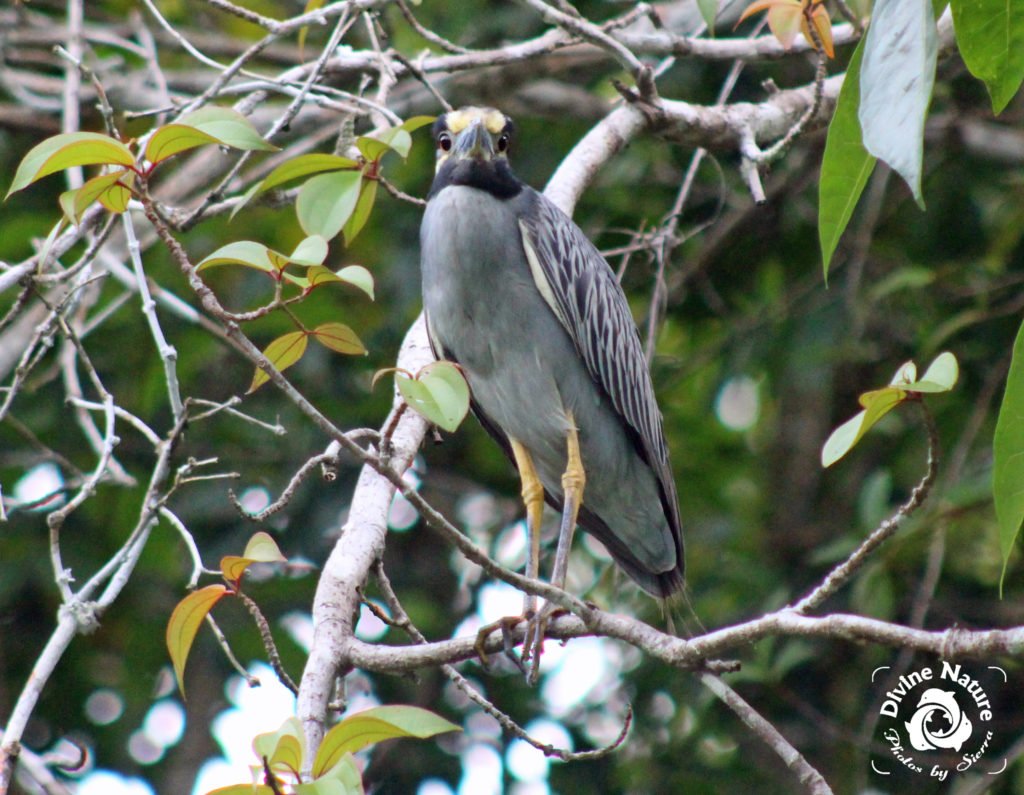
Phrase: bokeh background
(757,359)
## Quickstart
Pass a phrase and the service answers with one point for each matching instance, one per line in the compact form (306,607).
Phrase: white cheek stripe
(543,286)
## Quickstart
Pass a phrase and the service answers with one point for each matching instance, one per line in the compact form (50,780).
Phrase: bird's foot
(533,644)
(533,641)
(506,625)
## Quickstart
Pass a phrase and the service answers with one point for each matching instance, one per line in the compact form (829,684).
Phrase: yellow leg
(573,481)
(533,498)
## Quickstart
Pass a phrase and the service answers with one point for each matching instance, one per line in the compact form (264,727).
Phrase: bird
(519,298)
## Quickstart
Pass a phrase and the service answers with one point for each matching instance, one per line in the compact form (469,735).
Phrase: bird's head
(472,150)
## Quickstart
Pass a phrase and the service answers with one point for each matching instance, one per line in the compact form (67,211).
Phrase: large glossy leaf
(896,79)
(184,624)
(171,139)
(242,252)
(228,126)
(283,352)
(413,123)
(439,393)
(372,726)
(296,168)
(359,277)
(310,251)
(326,202)
(361,214)
(845,166)
(1008,455)
(990,36)
(68,150)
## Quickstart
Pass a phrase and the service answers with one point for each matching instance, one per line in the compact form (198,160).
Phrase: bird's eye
(444,142)
(503,143)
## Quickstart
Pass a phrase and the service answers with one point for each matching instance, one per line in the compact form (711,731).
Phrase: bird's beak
(474,142)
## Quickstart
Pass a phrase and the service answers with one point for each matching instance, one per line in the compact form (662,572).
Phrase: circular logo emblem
(935,721)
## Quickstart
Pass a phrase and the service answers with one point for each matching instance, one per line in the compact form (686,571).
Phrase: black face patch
(493,176)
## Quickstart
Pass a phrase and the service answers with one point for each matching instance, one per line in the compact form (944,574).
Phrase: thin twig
(268,641)
(222,641)
(845,570)
(810,779)
(399,618)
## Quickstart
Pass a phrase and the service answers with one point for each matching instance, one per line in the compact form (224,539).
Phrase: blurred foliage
(763,522)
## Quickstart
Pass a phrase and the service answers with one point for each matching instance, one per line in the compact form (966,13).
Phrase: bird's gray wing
(581,289)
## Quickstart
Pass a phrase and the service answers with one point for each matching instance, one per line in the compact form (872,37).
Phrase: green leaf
(1008,456)
(68,150)
(184,624)
(297,167)
(241,252)
(413,123)
(439,393)
(358,277)
(116,196)
(396,139)
(896,79)
(372,726)
(346,771)
(845,166)
(990,36)
(326,202)
(311,251)
(260,549)
(282,353)
(263,549)
(311,5)
(355,275)
(171,139)
(102,188)
(242,789)
(708,12)
(339,337)
(228,127)
(361,214)
(941,375)
(877,404)
(283,749)
(44,252)
(341,784)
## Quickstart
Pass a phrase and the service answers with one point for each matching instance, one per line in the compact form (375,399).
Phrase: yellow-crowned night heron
(517,295)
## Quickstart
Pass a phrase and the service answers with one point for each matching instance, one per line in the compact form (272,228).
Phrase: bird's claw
(506,625)
(533,641)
